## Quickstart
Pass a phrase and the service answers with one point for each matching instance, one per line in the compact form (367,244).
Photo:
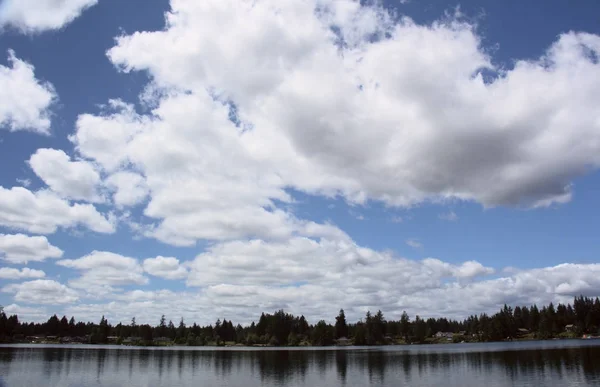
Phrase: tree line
(281,328)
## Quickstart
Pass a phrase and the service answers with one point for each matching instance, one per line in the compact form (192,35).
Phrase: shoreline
(266,346)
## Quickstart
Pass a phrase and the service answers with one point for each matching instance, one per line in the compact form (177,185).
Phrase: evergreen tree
(378,330)
(534,318)
(72,326)
(405,326)
(63,327)
(420,328)
(99,334)
(526,318)
(181,336)
(171,331)
(551,316)
(162,327)
(53,326)
(133,328)
(545,325)
(261,327)
(341,327)
(322,334)
(369,329)
(302,326)
(146,333)
(360,334)
(518,317)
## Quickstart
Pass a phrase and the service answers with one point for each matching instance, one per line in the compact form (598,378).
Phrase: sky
(223,158)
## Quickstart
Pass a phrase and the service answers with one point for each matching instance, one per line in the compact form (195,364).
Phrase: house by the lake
(162,341)
(343,341)
(441,335)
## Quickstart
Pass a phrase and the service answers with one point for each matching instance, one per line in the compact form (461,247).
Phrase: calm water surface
(550,363)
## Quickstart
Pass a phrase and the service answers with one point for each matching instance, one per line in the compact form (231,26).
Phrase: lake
(539,363)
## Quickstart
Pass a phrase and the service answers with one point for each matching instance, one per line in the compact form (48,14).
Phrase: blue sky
(424,182)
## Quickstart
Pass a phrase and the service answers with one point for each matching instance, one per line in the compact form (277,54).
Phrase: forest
(284,329)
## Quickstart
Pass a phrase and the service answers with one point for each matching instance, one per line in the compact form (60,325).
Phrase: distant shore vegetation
(581,319)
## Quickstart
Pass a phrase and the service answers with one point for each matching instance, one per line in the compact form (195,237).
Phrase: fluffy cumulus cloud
(282,100)
(471,269)
(129,188)
(31,16)
(165,267)
(199,191)
(10,273)
(43,212)
(351,112)
(24,100)
(101,271)
(42,292)
(21,248)
(70,179)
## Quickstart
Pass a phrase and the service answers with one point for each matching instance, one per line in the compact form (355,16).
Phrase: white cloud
(24,100)
(465,271)
(414,243)
(43,212)
(238,281)
(165,267)
(105,138)
(449,216)
(291,83)
(100,259)
(471,269)
(328,262)
(318,277)
(198,190)
(101,270)
(146,295)
(551,284)
(130,188)
(42,292)
(10,273)
(34,16)
(438,131)
(27,313)
(70,179)
(21,249)
(147,307)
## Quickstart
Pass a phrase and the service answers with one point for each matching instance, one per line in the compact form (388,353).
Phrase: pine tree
(341,327)
(181,336)
(420,328)
(162,327)
(405,326)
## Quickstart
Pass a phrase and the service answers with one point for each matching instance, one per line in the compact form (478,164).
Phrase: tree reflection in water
(341,366)
(399,366)
(279,367)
